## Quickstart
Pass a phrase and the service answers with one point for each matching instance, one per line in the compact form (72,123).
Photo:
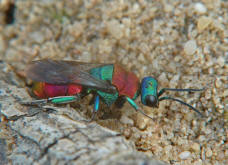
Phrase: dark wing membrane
(67,72)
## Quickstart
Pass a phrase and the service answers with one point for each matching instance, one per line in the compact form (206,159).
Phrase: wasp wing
(67,72)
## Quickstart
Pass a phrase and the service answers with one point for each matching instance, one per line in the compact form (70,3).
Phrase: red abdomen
(45,90)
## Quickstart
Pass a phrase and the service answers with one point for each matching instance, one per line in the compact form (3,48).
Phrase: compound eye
(151,101)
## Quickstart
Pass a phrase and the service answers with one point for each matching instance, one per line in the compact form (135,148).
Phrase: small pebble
(221,61)
(217,100)
(201,138)
(198,162)
(190,47)
(136,8)
(141,122)
(195,147)
(2,44)
(209,153)
(127,133)
(2,92)
(184,155)
(220,155)
(200,8)
(115,29)
(37,37)
(163,79)
(225,93)
(76,29)
(203,22)
(125,120)
(168,8)
(218,83)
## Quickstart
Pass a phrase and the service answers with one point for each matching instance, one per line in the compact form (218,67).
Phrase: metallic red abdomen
(45,90)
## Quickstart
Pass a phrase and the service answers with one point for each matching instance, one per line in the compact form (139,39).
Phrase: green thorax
(105,73)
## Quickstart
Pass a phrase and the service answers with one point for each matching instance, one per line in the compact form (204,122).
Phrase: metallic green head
(149,95)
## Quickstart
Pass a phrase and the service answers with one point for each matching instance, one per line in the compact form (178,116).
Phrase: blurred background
(183,44)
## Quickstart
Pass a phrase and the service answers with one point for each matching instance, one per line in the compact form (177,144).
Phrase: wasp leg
(135,106)
(95,108)
(54,100)
(63,99)
(35,102)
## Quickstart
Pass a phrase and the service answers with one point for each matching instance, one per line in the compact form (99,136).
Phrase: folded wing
(67,72)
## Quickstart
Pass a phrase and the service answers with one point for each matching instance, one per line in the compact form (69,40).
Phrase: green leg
(135,106)
(95,108)
(54,100)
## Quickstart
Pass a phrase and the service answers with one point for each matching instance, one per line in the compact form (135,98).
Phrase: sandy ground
(183,44)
